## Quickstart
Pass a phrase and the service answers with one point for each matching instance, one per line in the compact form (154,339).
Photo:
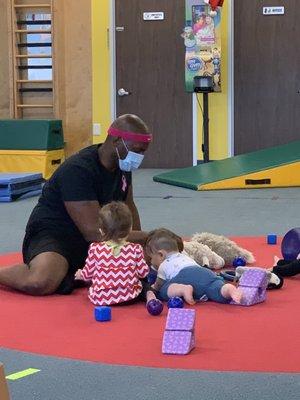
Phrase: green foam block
(39,134)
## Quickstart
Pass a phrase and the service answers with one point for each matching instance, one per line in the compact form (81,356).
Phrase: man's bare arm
(137,235)
(85,215)
(136,226)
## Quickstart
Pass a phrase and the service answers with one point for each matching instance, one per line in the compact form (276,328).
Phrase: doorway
(266,75)
(150,68)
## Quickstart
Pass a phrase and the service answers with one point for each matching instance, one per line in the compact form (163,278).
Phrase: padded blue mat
(14,197)
(17,186)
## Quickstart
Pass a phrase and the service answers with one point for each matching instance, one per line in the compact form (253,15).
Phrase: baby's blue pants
(203,280)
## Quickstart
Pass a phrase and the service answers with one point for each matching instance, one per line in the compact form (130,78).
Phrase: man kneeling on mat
(179,275)
(65,220)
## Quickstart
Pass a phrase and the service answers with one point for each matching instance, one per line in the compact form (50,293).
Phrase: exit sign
(273,10)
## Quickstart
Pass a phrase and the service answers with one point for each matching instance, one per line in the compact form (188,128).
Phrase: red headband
(135,137)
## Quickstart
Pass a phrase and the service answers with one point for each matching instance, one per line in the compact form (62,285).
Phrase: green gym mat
(245,164)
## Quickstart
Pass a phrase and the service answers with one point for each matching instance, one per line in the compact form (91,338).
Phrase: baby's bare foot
(187,294)
(185,291)
(229,291)
(237,295)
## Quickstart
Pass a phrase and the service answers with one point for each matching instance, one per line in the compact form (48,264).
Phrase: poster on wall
(202,40)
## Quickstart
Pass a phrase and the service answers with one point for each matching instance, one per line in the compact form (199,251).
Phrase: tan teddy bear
(223,247)
(203,255)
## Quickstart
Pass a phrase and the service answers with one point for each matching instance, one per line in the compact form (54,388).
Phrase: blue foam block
(103,313)
(272,239)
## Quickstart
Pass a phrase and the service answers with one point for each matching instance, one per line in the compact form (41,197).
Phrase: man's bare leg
(43,275)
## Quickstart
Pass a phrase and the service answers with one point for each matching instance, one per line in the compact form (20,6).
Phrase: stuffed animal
(221,246)
(203,255)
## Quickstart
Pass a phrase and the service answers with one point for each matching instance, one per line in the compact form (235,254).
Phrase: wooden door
(150,65)
(266,75)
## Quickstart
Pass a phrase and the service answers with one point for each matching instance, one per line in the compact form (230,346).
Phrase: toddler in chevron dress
(114,266)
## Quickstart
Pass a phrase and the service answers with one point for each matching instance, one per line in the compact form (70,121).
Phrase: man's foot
(229,291)
(185,291)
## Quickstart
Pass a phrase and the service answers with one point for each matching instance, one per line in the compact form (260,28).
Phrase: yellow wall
(218,104)
(101,66)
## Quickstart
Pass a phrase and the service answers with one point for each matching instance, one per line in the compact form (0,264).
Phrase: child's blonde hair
(115,221)
(163,239)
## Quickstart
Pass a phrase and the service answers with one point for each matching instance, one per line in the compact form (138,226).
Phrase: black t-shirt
(82,177)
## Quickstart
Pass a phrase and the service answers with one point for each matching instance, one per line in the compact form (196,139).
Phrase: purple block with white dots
(177,342)
(253,283)
(179,319)
(179,336)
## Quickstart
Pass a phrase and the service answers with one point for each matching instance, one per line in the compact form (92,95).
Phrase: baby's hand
(78,275)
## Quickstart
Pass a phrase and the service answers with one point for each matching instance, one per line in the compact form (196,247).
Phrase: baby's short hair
(163,239)
(115,221)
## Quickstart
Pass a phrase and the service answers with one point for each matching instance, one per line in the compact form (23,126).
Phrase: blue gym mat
(19,186)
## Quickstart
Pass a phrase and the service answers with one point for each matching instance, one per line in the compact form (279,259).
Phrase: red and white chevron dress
(115,278)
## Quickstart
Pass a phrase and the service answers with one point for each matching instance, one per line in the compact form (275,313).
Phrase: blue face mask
(131,162)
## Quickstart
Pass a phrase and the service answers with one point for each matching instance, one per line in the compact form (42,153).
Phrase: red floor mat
(264,337)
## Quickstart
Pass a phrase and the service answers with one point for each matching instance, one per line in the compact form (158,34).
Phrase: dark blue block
(103,313)
(272,239)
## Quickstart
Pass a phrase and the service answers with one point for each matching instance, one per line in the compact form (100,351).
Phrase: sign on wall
(202,40)
(153,16)
(273,10)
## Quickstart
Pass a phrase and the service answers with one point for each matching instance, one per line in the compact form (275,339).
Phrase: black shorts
(73,249)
